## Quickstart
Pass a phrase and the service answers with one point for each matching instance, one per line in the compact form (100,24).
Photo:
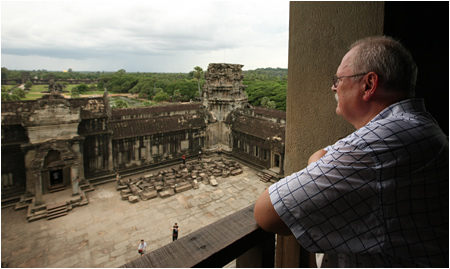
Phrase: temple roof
(259,127)
(148,126)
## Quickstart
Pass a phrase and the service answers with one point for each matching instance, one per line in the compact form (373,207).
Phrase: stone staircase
(269,176)
(57,210)
(56,189)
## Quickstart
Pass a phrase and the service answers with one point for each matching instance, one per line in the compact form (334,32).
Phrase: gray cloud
(163,33)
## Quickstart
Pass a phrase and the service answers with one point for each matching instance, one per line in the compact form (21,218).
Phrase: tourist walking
(184,159)
(199,155)
(175,231)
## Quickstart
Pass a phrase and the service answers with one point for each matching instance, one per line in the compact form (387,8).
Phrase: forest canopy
(267,83)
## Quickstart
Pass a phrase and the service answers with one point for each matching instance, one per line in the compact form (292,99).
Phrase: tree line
(265,86)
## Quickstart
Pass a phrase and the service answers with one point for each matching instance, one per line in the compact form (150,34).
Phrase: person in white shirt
(142,247)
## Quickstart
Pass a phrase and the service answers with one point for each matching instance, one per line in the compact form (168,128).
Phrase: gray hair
(390,60)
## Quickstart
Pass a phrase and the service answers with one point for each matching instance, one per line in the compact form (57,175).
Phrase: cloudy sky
(144,36)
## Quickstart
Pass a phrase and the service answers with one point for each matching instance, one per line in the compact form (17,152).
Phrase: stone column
(110,154)
(77,147)
(75,179)
(38,200)
(29,172)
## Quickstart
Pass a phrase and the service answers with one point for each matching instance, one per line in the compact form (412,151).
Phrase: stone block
(213,181)
(183,187)
(148,195)
(195,184)
(125,191)
(125,196)
(166,193)
(133,199)
(236,172)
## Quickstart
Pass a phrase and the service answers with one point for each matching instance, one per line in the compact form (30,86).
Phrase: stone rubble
(168,182)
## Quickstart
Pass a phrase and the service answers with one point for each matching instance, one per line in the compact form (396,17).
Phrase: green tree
(28,85)
(18,92)
(161,97)
(82,88)
(74,93)
(147,103)
(176,96)
(120,103)
(6,97)
(265,101)
(198,72)
(271,105)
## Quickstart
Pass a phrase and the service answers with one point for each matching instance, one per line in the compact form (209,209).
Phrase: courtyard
(107,231)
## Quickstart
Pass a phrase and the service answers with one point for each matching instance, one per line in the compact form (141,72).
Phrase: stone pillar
(77,148)
(38,200)
(29,172)
(110,154)
(319,36)
(75,179)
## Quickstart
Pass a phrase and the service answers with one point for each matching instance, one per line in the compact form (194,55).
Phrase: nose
(334,89)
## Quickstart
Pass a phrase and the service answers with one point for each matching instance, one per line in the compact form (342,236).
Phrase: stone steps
(56,189)
(57,210)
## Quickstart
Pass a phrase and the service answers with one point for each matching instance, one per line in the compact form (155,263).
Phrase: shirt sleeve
(333,204)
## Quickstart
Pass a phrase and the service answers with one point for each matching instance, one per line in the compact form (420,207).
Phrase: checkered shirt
(379,197)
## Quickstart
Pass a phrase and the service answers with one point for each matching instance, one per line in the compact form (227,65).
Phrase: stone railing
(236,236)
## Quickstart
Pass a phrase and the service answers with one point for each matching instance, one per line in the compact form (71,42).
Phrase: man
(175,231)
(378,197)
(142,247)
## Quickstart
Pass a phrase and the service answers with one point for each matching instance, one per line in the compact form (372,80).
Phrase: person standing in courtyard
(183,158)
(378,197)
(199,156)
(175,231)
(142,247)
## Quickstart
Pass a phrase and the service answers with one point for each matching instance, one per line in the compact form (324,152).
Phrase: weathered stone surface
(213,181)
(125,191)
(236,172)
(148,195)
(166,193)
(195,184)
(183,187)
(133,199)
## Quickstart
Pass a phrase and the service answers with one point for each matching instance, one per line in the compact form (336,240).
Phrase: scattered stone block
(183,187)
(236,172)
(148,195)
(166,193)
(133,199)
(213,181)
(195,184)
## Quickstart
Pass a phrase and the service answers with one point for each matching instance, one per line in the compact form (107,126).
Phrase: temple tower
(223,92)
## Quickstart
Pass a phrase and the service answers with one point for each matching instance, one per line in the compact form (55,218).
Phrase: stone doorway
(56,178)
(275,162)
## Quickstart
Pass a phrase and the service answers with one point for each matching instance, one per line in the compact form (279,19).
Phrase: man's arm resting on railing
(266,216)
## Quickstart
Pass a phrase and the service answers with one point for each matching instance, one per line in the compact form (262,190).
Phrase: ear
(371,85)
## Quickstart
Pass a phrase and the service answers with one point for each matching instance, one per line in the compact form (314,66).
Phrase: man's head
(387,57)
(142,240)
(375,73)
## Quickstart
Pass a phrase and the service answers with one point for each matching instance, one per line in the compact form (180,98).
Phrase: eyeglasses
(336,79)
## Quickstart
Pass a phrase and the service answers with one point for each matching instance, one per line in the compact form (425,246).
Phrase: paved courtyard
(107,231)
